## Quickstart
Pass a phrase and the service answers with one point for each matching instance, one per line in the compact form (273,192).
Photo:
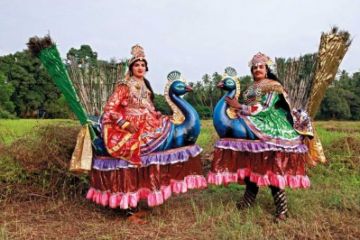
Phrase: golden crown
(137,53)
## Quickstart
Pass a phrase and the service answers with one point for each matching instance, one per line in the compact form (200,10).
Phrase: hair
(269,73)
(132,64)
(147,82)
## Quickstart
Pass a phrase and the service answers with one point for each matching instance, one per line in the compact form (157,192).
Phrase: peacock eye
(230,83)
(180,87)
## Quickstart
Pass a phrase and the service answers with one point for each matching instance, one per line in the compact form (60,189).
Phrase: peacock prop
(305,79)
(185,126)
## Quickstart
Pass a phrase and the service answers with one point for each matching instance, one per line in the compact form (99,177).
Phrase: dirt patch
(44,158)
(339,129)
(51,146)
(185,217)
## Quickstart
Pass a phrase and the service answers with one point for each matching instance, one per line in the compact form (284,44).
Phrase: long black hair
(147,82)
(271,75)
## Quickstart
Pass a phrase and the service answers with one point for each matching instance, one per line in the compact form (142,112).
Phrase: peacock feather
(307,78)
(333,47)
(45,49)
(47,52)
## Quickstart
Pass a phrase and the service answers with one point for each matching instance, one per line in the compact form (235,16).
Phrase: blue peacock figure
(225,121)
(169,164)
(186,120)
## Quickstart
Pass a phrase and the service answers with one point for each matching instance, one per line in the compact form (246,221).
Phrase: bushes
(37,164)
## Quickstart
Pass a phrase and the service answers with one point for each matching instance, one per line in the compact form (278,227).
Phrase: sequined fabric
(268,112)
(151,177)
(131,104)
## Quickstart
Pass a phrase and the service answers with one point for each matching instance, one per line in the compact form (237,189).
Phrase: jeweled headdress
(260,58)
(137,53)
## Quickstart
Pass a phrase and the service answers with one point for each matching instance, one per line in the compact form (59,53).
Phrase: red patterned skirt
(264,164)
(117,183)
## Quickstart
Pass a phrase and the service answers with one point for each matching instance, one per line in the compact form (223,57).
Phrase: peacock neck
(224,105)
(191,116)
(221,119)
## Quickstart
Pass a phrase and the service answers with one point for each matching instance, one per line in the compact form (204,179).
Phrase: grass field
(330,209)
(13,129)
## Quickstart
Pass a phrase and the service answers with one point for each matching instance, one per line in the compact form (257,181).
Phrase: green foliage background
(26,90)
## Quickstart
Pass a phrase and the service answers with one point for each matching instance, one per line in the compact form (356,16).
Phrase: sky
(192,36)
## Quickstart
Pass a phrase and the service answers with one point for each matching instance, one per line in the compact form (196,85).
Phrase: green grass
(207,135)
(330,209)
(13,129)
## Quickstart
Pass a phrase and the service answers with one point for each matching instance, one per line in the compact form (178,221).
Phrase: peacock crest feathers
(175,75)
(230,71)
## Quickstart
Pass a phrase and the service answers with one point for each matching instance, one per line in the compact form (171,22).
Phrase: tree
(6,105)
(161,104)
(84,55)
(33,88)
(334,105)
(205,94)
(342,100)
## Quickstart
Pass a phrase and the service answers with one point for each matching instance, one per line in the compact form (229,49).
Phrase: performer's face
(258,71)
(138,69)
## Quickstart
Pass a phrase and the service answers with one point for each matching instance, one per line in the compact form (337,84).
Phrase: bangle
(125,125)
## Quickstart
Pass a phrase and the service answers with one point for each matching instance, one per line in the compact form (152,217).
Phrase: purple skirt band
(171,156)
(243,145)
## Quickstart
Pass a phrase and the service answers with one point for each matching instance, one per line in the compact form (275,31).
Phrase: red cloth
(131,104)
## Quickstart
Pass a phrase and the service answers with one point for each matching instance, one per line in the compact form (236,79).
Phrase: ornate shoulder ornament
(268,85)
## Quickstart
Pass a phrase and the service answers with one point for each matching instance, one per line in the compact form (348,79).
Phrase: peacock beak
(188,88)
(220,84)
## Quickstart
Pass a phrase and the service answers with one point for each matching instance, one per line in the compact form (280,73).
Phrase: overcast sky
(192,36)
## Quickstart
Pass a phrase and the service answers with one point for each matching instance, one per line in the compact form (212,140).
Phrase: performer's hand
(233,102)
(158,114)
(131,128)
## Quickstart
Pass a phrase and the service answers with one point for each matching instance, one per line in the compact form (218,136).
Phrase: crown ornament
(137,53)
(260,58)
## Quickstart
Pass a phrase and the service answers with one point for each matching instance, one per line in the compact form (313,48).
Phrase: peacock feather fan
(47,52)
(307,78)
(45,49)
